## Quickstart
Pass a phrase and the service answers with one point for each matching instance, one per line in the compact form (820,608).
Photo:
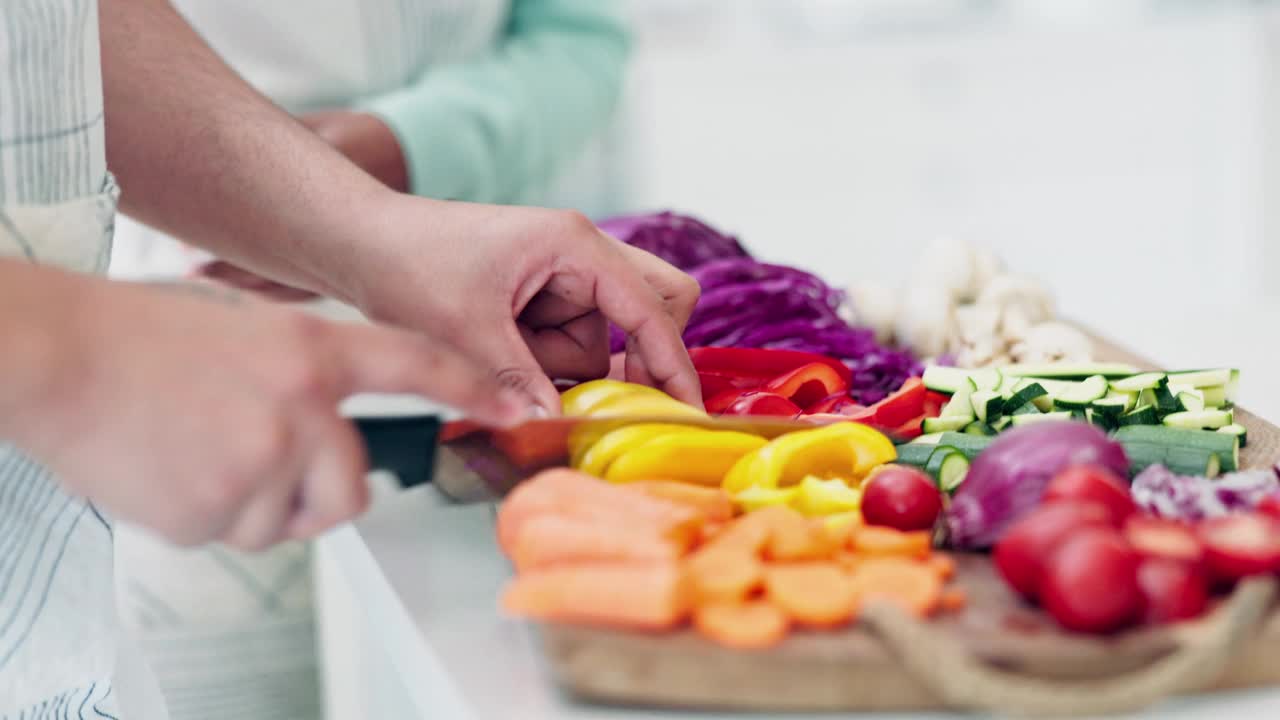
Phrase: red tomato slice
(1021,553)
(1090,583)
(1237,546)
(1155,537)
(808,384)
(1093,484)
(1172,590)
(1270,505)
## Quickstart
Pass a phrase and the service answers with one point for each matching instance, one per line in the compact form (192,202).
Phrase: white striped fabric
(57,201)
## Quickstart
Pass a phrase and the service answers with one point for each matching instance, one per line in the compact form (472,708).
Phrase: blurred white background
(1122,150)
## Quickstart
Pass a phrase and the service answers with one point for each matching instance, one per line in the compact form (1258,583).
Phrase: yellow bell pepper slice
(818,497)
(740,476)
(693,455)
(844,450)
(643,405)
(842,522)
(597,457)
(578,399)
(757,497)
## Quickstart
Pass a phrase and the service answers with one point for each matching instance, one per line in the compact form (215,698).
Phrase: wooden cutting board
(997,654)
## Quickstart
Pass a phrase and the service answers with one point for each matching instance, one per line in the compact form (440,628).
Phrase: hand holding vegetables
(526,292)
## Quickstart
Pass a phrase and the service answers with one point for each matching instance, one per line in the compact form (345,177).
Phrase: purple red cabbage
(747,303)
(681,240)
(1159,491)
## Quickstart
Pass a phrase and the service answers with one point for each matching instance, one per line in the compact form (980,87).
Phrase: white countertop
(428,576)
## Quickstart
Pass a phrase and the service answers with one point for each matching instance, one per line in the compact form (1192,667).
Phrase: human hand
(367,142)
(525,292)
(207,416)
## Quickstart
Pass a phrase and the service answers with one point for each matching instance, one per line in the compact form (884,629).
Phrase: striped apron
(57,203)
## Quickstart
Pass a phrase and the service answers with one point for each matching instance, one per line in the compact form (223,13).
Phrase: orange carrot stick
(942,564)
(817,594)
(743,626)
(748,533)
(792,536)
(714,504)
(910,585)
(556,539)
(637,596)
(879,540)
(570,493)
(953,600)
(724,576)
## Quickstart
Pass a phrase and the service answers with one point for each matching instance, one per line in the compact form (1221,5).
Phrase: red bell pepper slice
(758,403)
(934,402)
(760,364)
(908,430)
(808,384)
(837,404)
(714,383)
(901,406)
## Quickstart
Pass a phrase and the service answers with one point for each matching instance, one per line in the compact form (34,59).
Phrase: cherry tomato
(1021,552)
(1172,590)
(1155,537)
(1270,505)
(1095,484)
(1090,583)
(901,497)
(1240,545)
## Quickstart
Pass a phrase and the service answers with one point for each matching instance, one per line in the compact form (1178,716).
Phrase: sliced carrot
(714,504)
(841,527)
(651,596)
(880,540)
(743,626)
(942,564)
(712,530)
(817,594)
(748,533)
(724,576)
(556,539)
(792,536)
(848,561)
(567,492)
(953,600)
(908,584)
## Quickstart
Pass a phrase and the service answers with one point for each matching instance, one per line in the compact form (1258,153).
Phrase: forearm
(35,306)
(201,155)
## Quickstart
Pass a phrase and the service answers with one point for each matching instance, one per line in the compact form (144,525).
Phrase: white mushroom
(975,323)
(873,306)
(1052,342)
(1020,301)
(926,323)
(986,266)
(948,264)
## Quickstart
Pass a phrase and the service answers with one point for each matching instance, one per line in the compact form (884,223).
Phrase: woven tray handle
(964,681)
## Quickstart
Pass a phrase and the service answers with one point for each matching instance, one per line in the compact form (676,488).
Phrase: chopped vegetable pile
(656,556)
(749,304)
(1098,563)
(1182,420)
(816,472)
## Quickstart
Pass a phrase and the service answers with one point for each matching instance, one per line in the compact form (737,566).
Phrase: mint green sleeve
(495,128)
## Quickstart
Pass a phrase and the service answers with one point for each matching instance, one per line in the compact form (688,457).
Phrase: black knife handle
(402,445)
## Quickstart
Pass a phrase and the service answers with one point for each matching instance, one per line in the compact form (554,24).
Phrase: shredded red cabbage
(747,303)
(683,241)
(1159,491)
